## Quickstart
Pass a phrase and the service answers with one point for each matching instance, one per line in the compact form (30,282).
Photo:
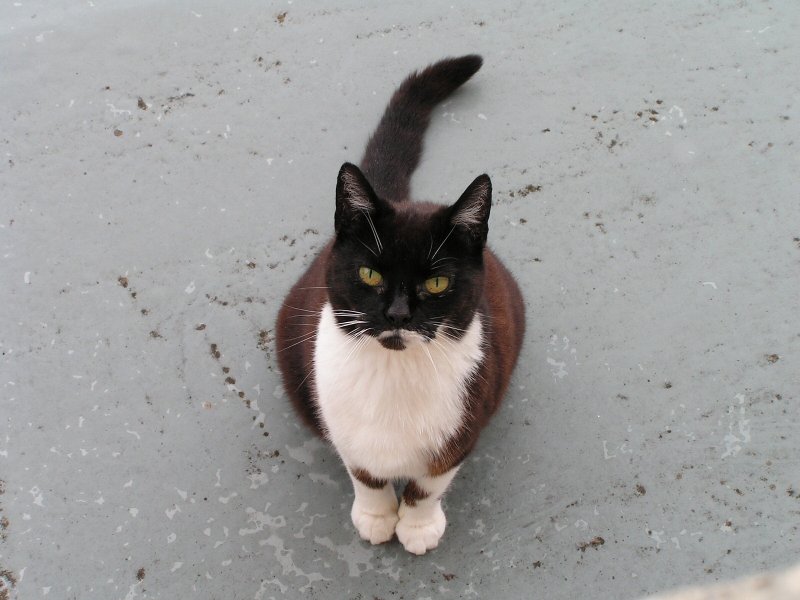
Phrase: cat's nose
(398,314)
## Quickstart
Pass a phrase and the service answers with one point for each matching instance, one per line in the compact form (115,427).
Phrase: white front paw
(420,532)
(375,527)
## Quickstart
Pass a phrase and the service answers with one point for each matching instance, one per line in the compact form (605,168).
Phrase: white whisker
(443,241)
(428,352)
(302,335)
(439,261)
(367,247)
(308,337)
(346,323)
(374,231)
(308,310)
(359,342)
(452,328)
(443,352)
(442,324)
(310,371)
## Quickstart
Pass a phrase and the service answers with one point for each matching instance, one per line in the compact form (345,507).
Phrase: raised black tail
(394,150)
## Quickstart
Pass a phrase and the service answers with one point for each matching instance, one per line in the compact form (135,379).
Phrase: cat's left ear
(355,198)
(470,213)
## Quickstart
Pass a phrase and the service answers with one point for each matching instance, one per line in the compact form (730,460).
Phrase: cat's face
(406,273)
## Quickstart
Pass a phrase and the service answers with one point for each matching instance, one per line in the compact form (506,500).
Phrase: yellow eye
(370,276)
(437,285)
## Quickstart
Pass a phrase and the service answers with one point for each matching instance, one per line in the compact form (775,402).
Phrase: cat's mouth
(392,342)
(397,339)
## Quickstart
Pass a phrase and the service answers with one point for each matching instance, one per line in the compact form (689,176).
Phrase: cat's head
(405,273)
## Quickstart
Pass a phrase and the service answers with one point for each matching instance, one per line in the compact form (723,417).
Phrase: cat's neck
(446,357)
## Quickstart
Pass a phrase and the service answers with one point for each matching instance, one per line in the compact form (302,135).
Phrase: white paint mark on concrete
(301,534)
(261,519)
(734,441)
(357,556)
(656,536)
(257,480)
(117,111)
(37,495)
(322,478)
(606,455)
(305,453)
(558,368)
(479,529)
(226,499)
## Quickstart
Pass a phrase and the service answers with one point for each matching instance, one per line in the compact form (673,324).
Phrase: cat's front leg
(374,510)
(422,521)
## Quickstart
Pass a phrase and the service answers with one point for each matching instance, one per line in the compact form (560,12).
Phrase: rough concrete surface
(167,172)
(767,586)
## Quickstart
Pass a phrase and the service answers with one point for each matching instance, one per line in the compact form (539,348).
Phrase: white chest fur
(388,411)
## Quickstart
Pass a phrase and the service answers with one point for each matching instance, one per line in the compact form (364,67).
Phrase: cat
(398,342)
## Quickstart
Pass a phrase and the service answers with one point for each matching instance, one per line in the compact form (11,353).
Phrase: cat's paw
(419,533)
(376,528)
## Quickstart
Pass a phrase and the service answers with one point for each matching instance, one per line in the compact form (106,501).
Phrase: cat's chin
(393,342)
(398,339)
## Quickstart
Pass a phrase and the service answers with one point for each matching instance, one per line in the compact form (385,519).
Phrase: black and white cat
(398,342)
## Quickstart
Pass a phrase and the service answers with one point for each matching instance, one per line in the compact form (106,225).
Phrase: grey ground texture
(168,171)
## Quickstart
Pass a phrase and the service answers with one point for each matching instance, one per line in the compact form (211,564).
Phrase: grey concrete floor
(168,171)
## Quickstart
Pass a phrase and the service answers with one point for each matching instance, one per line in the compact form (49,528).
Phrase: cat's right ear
(471,212)
(355,198)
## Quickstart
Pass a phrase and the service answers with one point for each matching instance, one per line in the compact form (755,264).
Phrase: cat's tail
(394,150)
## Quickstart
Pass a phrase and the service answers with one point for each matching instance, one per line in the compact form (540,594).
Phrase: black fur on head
(407,243)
